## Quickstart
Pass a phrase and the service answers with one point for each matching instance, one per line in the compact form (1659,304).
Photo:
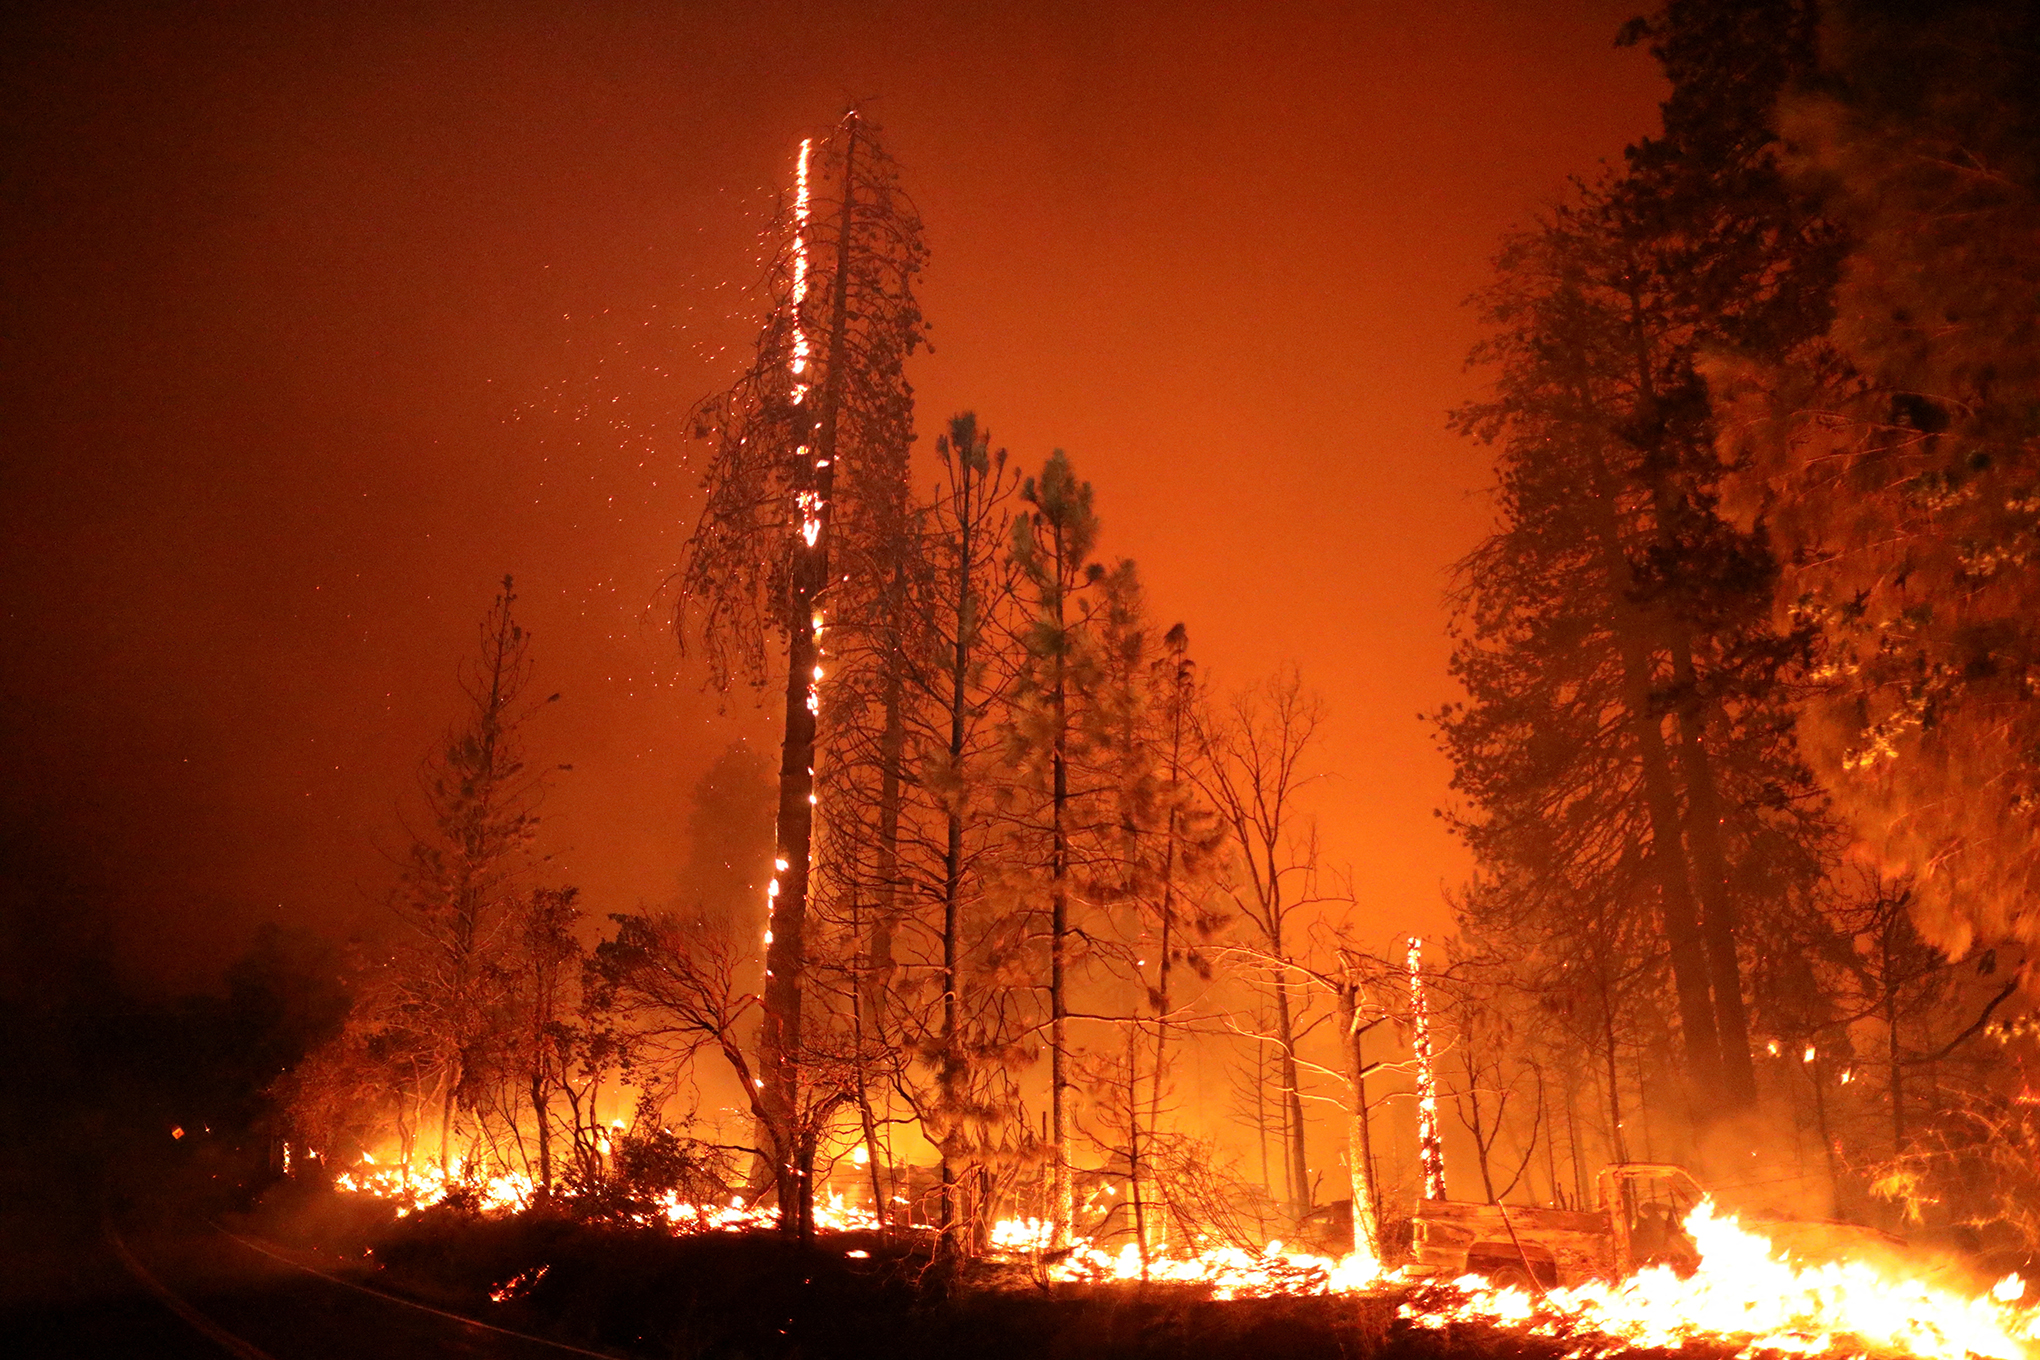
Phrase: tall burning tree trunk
(786,948)
(783,540)
(1430,1148)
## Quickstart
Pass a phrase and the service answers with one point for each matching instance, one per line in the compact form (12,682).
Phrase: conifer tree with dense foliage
(1052,547)
(1626,742)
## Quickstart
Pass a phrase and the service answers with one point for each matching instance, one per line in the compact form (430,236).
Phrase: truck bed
(1563,1246)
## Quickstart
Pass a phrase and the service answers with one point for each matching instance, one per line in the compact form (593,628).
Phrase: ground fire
(1722,1283)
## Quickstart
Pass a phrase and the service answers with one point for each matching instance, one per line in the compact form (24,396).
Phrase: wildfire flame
(517,1284)
(800,273)
(1745,1292)
(1430,1150)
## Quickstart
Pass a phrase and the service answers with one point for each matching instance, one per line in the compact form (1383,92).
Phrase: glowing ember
(517,1284)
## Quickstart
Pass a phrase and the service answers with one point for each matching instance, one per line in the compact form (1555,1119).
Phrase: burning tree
(806,487)
(1893,455)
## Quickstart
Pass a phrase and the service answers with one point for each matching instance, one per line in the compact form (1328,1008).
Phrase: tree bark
(1292,1096)
(1359,1131)
(1062,1204)
(1661,804)
(538,1111)
(952,887)
(1179,700)
(786,953)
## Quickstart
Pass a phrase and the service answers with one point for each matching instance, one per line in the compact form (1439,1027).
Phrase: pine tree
(1053,543)
(969,592)
(1628,733)
(806,486)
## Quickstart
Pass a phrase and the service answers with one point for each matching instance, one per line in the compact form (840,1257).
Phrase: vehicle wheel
(1512,1277)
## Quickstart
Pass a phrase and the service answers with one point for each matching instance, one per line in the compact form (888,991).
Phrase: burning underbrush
(672,1269)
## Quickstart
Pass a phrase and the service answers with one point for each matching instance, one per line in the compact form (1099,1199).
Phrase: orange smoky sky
(320,318)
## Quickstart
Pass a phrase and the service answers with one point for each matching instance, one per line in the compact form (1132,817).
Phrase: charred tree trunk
(446,1120)
(785,955)
(1292,1097)
(1163,1002)
(1892,1052)
(892,744)
(1661,804)
(964,625)
(1618,1144)
(1709,861)
(538,1112)
(1133,1152)
(1359,1130)
(1062,1203)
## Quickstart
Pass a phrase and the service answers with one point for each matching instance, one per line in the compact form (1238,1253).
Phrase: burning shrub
(1974,1170)
(657,1162)
(633,1176)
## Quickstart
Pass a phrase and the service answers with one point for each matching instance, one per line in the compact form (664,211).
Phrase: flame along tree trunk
(800,486)
(779,1039)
